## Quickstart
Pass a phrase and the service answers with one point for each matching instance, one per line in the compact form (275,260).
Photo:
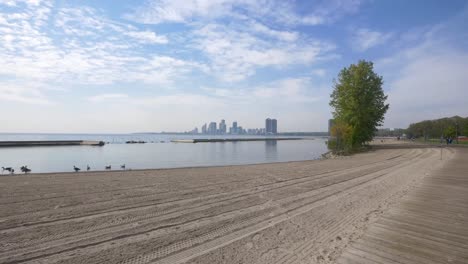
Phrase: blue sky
(154,65)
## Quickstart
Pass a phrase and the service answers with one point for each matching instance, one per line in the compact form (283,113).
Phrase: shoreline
(325,156)
(161,169)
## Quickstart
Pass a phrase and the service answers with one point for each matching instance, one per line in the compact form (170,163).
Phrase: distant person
(447,140)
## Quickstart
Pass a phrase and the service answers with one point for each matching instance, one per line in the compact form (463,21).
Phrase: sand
(295,212)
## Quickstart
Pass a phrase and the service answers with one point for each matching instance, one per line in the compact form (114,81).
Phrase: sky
(118,66)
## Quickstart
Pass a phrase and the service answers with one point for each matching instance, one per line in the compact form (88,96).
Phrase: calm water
(159,154)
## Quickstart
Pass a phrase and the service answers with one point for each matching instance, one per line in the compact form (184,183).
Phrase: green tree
(359,102)
(341,133)
(450,132)
(464,131)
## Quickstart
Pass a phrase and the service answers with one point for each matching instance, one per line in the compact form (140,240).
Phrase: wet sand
(295,212)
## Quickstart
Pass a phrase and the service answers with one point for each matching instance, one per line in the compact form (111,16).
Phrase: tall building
(212,128)
(222,127)
(274,126)
(203,129)
(234,127)
(268,126)
(271,126)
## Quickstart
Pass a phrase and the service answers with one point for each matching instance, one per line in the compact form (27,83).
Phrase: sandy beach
(295,212)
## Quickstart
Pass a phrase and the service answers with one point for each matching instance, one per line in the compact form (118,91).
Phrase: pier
(208,140)
(40,143)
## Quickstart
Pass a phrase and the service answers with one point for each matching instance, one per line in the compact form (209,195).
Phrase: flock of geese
(25,168)
(88,168)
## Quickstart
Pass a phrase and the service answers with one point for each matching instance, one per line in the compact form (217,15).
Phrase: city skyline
(212,128)
(147,65)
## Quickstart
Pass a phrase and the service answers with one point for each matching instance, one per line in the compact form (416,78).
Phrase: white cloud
(365,39)
(106,97)
(236,53)
(284,91)
(147,37)
(80,46)
(427,80)
(281,35)
(186,11)
(429,86)
(319,72)
(155,12)
(29,93)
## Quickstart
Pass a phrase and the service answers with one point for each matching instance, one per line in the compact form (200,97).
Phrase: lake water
(158,153)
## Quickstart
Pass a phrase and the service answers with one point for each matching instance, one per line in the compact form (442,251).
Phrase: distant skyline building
(222,127)
(212,128)
(271,126)
(268,126)
(234,127)
(203,129)
(274,126)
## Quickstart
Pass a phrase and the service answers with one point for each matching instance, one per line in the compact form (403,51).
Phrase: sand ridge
(295,212)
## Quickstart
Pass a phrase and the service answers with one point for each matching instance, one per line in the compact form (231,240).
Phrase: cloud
(28,93)
(284,91)
(281,35)
(106,97)
(427,80)
(187,11)
(80,46)
(147,37)
(364,39)
(236,53)
(319,72)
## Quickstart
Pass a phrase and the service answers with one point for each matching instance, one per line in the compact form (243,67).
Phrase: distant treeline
(386,132)
(444,127)
(299,134)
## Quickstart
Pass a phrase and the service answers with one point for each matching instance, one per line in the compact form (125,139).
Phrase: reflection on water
(271,150)
(160,155)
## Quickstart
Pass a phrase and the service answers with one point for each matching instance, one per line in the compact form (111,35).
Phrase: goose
(88,168)
(25,169)
(6,169)
(122,166)
(108,167)
(76,168)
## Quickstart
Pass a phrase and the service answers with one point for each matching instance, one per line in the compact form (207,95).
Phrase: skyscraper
(234,127)
(268,126)
(271,126)
(222,127)
(212,128)
(203,129)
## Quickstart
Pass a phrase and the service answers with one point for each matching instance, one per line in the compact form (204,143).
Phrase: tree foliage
(341,132)
(359,102)
(437,128)
(450,132)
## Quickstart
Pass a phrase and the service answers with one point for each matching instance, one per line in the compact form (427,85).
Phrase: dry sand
(296,212)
